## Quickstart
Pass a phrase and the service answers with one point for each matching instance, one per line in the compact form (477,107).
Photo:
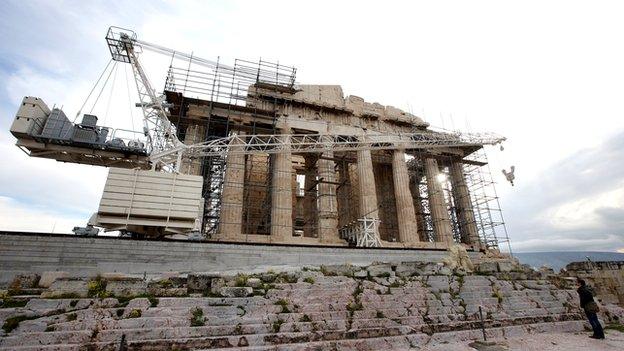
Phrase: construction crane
(47,133)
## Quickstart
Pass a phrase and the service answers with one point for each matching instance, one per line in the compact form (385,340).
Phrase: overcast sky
(548,75)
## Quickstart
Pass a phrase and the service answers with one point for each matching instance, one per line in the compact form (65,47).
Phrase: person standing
(590,307)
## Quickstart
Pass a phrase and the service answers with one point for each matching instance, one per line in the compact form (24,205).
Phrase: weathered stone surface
(197,282)
(380,270)
(25,281)
(126,287)
(505,266)
(254,282)
(48,277)
(235,291)
(487,267)
(409,269)
(67,287)
(339,269)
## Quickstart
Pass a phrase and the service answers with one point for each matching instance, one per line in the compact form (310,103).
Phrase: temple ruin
(397,197)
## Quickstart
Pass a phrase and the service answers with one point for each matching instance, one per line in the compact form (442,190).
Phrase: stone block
(505,266)
(48,277)
(339,269)
(67,287)
(126,287)
(25,281)
(254,282)
(409,269)
(487,267)
(362,274)
(198,282)
(235,291)
(380,270)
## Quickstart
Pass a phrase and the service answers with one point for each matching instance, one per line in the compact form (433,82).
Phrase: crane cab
(48,133)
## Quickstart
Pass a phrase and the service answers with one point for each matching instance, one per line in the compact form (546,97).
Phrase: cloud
(30,217)
(576,204)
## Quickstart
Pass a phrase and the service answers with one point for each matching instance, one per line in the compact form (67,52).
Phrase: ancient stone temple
(369,187)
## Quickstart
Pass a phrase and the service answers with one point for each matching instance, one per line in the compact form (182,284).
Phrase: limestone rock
(126,287)
(489,346)
(48,277)
(236,291)
(340,269)
(254,282)
(380,270)
(67,287)
(505,266)
(487,267)
(198,282)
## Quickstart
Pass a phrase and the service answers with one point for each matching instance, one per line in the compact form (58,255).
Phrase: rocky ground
(379,307)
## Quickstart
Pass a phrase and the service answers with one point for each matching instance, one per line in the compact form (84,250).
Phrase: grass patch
(309,280)
(277,325)
(71,317)
(13,322)
(305,319)
(135,313)
(241,280)
(284,304)
(12,303)
(97,287)
(197,317)
(380,315)
(618,327)
(165,283)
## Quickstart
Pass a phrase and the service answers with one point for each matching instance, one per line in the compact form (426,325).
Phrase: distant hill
(558,260)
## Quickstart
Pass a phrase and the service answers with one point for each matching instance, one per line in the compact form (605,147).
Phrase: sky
(548,75)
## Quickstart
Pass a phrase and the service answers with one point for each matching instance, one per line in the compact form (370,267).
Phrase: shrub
(135,313)
(309,280)
(71,317)
(13,322)
(277,325)
(197,317)
(305,319)
(97,287)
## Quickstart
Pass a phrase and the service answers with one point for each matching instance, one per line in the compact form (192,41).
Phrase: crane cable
(103,86)
(92,89)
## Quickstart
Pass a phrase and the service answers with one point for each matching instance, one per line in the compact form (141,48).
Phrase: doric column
(327,201)
(463,206)
(366,185)
(437,203)
(309,197)
(231,217)
(281,194)
(406,216)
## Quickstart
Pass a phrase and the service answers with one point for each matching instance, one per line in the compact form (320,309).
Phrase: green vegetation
(384,275)
(354,306)
(241,280)
(11,303)
(380,315)
(73,303)
(71,317)
(277,325)
(50,328)
(309,280)
(165,283)
(618,327)
(197,317)
(97,288)
(13,322)
(305,319)
(120,312)
(135,313)
(284,304)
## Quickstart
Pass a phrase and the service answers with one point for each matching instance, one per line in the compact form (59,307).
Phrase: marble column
(309,197)
(406,216)
(327,202)
(437,203)
(231,217)
(281,195)
(463,205)
(366,184)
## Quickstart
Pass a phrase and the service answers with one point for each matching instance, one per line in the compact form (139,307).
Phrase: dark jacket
(586,295)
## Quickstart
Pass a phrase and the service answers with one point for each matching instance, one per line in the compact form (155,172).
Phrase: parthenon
(386,195)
